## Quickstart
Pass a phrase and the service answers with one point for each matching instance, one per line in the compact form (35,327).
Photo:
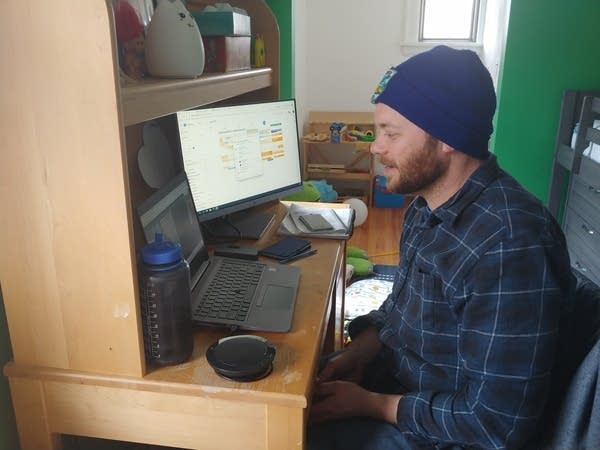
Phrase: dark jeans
(363,433)
(356,433)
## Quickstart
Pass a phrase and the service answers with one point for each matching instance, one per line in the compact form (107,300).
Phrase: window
(441,20)
(457,23)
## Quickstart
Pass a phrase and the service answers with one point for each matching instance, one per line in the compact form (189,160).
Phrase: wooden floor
(380,234)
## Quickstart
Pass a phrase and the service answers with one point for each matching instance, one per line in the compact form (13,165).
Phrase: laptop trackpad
(276,297)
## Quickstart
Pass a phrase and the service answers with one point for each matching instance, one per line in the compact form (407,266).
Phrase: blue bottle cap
(161,252)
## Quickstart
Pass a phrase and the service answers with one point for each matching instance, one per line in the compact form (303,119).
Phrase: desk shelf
(153,98)
(71,175)
(72,133)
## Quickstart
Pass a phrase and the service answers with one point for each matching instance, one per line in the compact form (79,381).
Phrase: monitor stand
(241,225)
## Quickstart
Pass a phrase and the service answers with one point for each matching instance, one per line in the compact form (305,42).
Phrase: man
(461,353)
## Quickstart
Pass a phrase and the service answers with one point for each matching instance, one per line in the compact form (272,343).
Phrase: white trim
(411,44)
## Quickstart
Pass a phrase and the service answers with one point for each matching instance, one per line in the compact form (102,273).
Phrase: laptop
(267,307)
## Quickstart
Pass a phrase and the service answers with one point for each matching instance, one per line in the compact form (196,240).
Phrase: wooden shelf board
(341,175)
(348,117)
(153,98)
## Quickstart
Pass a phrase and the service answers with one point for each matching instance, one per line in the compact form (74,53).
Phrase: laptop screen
(171,211)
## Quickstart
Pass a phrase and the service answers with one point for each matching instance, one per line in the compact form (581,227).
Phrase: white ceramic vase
(174,46)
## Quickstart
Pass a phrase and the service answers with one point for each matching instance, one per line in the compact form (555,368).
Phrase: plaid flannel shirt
(472,323)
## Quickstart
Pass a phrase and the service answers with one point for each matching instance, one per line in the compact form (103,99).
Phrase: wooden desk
(188,405)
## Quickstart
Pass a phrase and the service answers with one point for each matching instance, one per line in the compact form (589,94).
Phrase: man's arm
(508,315)
(343,399)
(349,364)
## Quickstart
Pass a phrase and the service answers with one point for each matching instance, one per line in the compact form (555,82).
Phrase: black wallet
(286,247)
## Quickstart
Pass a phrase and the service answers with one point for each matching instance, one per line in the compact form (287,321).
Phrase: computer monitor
(238,157)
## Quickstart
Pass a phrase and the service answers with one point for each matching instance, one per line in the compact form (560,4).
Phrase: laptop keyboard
(230,292)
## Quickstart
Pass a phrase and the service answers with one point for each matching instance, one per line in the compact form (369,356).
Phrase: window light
(443,20)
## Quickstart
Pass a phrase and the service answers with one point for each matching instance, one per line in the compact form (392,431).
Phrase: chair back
(573,413)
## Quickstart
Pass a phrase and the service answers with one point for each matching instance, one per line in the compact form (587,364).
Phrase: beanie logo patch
(383,83)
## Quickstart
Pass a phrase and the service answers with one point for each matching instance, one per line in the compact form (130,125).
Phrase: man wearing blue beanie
(462,352)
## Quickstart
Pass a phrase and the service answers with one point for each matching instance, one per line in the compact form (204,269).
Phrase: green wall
(552,45)
(8,430)
(283,13)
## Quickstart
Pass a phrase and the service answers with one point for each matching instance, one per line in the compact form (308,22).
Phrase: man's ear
(446,148)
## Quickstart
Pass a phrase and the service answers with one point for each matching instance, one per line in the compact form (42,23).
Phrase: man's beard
(419,171)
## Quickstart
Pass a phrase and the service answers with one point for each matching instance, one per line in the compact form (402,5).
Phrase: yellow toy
(317,137)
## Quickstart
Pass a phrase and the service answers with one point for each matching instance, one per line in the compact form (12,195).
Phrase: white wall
(343,48)
(348,45)
(299,17)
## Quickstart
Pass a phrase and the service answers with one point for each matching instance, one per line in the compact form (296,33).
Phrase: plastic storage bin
(383,197)
(222,23)
(226,53)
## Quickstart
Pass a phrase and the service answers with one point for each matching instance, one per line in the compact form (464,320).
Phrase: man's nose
(375,147)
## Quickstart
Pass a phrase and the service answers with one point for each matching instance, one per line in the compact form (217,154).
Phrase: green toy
(355,252)
(362,267)
(309,193)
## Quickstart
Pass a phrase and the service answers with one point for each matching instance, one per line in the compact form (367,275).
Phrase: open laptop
(270,306)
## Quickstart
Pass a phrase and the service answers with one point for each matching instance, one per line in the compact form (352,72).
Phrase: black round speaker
(242,357)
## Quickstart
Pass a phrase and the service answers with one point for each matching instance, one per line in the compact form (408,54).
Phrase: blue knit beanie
(446,92)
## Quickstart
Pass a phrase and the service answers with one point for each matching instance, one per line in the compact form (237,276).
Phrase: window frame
(411,44)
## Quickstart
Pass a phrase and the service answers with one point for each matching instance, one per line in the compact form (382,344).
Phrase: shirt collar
(485,174)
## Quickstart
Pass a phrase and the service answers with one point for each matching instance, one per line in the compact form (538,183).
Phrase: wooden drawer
(589,172)
(584,245)
(580,261)
(585,203)
(588,234)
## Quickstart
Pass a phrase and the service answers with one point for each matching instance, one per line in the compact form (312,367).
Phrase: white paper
(340,220)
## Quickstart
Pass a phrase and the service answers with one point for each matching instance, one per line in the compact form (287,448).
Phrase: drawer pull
(580,267)
(587,229)
(595,190)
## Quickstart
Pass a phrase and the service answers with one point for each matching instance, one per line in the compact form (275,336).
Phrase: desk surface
(190,399)
(296,350)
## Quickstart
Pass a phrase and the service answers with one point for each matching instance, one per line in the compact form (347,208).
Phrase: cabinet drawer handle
(595,190)
(580,267)
(587,229)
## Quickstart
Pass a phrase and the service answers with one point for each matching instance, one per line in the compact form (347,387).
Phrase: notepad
(315,222)
(340,221)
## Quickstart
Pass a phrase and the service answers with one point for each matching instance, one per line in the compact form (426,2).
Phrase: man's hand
(349,364)
(346,365)
(342,399)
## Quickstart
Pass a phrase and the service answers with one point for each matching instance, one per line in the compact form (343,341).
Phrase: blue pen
(298,256)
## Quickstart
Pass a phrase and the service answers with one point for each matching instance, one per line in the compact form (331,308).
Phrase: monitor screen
(240,156)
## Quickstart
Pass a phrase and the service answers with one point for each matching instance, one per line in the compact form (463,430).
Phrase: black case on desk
(286,247)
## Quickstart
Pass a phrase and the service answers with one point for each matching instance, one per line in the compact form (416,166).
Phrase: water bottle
(164,277)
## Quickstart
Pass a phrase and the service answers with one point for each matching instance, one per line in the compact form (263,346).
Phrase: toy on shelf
(336,129)
(174,47)
(316,137)
(259,52)
(130,37)
(334,149)
(359,135)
